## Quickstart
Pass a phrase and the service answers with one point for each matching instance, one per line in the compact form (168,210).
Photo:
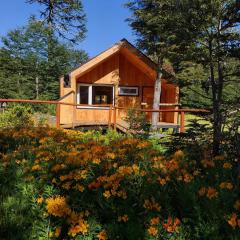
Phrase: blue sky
(106,21)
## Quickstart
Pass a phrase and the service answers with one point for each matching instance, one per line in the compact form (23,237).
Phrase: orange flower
(212,193)
(226,185)
(207,163)
(123,218)
(233,221)
(227,165)
(202,191)
(153,231)
(178,154)
(220,158)
(171,225)
(151,204)
(237,205)
(154,221)
(102,235)
(187,177)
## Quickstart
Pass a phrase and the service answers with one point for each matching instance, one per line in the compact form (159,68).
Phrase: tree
(202,32)
(64,17)
(152,22)
(25,68)
(211,28)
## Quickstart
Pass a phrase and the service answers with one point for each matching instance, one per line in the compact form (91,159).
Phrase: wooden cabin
(121,76)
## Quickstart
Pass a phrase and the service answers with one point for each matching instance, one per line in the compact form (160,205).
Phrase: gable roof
(124,46)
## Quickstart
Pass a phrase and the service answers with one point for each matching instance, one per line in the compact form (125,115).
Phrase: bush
(69,185)
(17,116)
(138,124)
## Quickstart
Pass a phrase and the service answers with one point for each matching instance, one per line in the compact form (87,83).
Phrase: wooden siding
(121,68)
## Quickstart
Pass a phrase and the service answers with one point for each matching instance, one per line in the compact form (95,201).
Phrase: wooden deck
(120,125)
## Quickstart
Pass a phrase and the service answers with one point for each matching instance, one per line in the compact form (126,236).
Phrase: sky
(105,21)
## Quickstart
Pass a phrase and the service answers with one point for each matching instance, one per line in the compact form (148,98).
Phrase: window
(84,94)
(102,94)
(128,91)
(95,94)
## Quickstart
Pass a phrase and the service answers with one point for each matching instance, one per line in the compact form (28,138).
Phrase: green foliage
(138,125)
(29,69)
(65,18)
(16,116)
(122,179)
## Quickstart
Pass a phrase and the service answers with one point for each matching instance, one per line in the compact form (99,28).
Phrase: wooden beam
(182,122)
(110,117)
(58,116)
(115,118)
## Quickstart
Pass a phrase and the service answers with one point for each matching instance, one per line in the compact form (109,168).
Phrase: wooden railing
(181,111)
(112,110)
(58,104)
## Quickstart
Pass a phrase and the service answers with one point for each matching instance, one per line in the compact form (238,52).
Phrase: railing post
(58,115)
(110,116)
(182,122)
(115,118)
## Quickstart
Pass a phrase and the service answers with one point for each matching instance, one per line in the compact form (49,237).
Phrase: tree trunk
(157,95)
(217,87)
(37,87)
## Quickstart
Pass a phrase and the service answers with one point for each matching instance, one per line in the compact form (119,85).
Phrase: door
(147,100)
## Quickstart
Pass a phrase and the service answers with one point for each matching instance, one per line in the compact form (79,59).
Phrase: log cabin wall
(123,68)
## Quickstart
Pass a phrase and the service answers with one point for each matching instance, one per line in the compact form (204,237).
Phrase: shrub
(17,116)
(138,124)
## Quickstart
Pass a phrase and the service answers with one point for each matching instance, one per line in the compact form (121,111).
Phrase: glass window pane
(131,91)
(84,94)
(102,95)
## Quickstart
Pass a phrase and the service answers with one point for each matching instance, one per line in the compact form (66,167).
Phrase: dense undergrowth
(57,184)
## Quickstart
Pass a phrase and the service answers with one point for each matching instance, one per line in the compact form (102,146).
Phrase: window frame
(90,95)
(128,94)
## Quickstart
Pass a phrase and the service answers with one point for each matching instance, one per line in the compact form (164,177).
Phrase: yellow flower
(227,165)
(153,231)
(96,161)
(57,232)
(40,200)
(57,206)
(102,235)
(135,168)
(107,194)
(36,167)
(81,227)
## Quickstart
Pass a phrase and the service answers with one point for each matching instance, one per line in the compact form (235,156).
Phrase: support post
(58,115)
(110,116)
(182,122)
(74,117)
(115,118)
